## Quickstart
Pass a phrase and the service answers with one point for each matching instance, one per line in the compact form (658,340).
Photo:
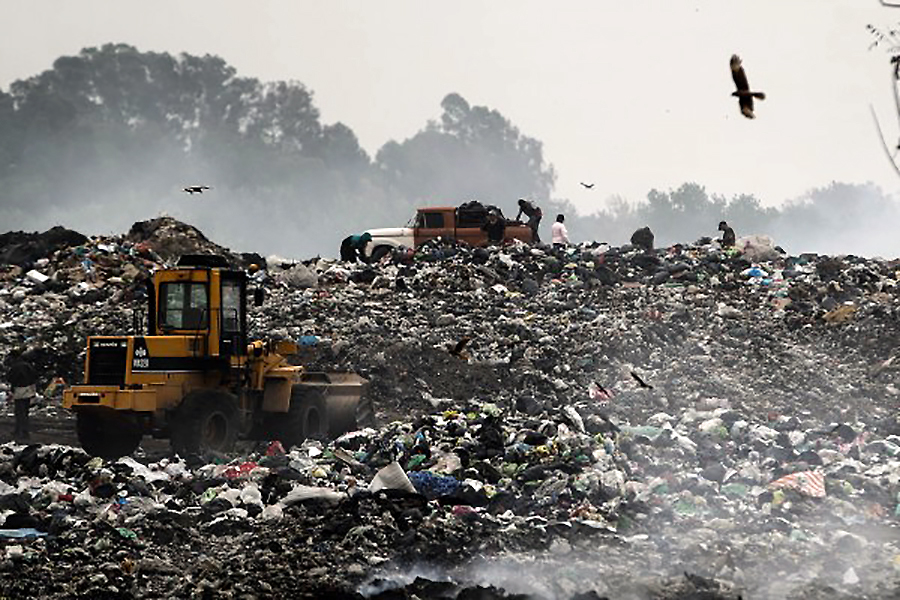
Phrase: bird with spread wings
(195,189)
(744,95)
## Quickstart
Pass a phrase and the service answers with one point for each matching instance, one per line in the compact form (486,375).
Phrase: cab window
(184,305)
(231,306)
(431,220)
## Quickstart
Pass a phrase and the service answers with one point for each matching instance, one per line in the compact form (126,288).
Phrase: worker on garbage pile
(643,238)
(22,377)
(559,233)
(727,240)
(495,228)
(353,247)
(534,214)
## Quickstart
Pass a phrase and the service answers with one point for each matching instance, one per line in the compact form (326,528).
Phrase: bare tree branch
(894,79)
(883,142)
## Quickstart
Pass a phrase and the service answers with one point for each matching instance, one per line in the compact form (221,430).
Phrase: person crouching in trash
(495,227)
(353,247)
(727,240)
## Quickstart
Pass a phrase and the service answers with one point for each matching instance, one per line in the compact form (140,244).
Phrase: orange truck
(462,224)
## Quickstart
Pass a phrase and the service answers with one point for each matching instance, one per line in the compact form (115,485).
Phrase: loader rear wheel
(205,421)
(107,436)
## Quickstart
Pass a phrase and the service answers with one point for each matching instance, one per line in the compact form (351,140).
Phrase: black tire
(307,417)
(287,427)
(205,421)
(314,415)
(379,253)
(107,436)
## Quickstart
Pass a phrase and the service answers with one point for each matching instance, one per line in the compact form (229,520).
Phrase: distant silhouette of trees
(838,218)
(472,152)
(109,136)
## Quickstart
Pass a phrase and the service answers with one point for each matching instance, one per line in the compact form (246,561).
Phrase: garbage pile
(60,286)
(594,422)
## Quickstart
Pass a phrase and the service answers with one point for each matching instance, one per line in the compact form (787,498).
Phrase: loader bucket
(342,392)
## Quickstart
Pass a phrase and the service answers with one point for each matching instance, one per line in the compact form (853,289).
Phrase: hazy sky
(629,95)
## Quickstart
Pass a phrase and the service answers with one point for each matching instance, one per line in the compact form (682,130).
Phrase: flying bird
(198,189)
(641,381)
(744,95)
(587,185)
(457,350)
(598,392)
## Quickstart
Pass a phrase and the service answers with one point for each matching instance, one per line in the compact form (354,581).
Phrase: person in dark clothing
(495,228)
(353,247)
(22,378)
(643,238)
(727,240)
(534,214)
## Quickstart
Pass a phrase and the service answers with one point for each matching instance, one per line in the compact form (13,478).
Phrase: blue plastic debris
(24,532)
(432,485)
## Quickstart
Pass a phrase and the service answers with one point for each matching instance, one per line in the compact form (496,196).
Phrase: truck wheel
(109,437)
(379,253)
(205,421)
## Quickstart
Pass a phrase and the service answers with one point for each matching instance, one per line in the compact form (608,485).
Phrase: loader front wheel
(307,417)
(106,436)
(206,421)
(314,416)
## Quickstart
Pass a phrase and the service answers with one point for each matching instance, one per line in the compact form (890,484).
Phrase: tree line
(109,136)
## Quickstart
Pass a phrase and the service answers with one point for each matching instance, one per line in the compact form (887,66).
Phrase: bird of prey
(587,185)
(598,392)
(457,350)
(744,95)
(641,381)
(198,189)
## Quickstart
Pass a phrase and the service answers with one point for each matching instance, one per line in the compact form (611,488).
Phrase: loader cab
(202,298)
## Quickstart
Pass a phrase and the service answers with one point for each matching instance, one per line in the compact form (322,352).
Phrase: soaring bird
(587,185)
(191,189)
(744,95)
(641,381)
(598,392)
(459,348)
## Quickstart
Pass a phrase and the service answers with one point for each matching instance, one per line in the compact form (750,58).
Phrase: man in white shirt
(559,232)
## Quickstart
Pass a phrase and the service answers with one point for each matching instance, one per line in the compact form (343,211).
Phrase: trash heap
(58,287)
(597,422)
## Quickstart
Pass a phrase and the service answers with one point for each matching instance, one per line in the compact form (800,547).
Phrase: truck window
(231,306)
(184,305)
(431,220)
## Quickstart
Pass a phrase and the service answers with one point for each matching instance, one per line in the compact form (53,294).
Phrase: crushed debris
(618,423)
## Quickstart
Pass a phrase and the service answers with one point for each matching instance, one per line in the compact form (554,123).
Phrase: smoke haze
(111,135)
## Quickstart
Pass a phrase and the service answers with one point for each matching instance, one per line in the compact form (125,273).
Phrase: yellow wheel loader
(196,379)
